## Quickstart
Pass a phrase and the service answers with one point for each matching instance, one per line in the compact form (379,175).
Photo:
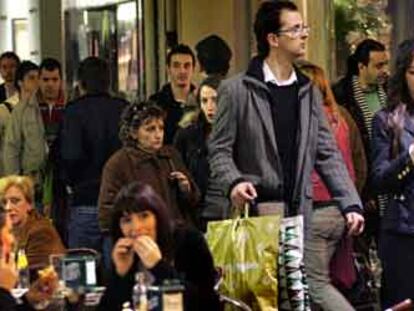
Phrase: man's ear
(361,66)
(273,40)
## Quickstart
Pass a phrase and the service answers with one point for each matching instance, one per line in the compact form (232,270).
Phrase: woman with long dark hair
(147,240)
(393,166)
(191,142)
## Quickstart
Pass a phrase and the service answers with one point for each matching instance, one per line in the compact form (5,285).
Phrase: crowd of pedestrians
(139,182)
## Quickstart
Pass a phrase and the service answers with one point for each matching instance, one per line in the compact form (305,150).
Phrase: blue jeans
(84,231)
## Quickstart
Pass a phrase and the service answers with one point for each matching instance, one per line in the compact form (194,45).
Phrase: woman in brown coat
(144,158)
(33,232)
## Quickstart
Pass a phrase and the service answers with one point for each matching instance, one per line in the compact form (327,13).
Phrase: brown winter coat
(39,238)
(131,164)
(359,159)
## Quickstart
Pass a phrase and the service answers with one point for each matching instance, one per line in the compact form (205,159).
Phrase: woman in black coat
(146,241)
(393,166)
(191,142)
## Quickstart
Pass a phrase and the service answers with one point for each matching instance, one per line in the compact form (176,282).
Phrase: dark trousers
(397,254)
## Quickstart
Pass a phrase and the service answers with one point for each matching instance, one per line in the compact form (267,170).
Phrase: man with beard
(362,93)
(176,98)
(33,128)
(9,62)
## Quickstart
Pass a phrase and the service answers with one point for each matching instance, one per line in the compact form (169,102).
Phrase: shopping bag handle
(237,221)
(246,209)
(241,212)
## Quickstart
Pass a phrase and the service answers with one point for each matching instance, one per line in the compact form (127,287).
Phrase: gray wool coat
(243,145)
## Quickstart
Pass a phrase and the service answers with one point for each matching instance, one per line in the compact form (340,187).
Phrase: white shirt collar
(270,77)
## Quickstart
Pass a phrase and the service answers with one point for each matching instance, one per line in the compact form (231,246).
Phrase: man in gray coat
(270,131)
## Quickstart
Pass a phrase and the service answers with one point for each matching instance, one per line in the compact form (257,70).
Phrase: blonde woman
(33,232)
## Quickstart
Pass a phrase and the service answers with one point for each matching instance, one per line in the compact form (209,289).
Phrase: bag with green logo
(246,250)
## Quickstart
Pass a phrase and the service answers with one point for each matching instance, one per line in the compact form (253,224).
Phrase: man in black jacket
(176,98)
(362,93)
(89,138)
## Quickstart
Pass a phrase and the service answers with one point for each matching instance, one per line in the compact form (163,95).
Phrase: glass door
(129,40)
(114,33)
(101,38)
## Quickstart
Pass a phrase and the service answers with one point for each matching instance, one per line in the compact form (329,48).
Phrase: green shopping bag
(246,250)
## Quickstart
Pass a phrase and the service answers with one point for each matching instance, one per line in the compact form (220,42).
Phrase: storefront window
(112,32)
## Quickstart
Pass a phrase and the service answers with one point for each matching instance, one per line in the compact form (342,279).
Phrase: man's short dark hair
(93,75)
(10,54)
(180,49)
(214,55)
(24,68)
(50,64)
(362,54)
(268,21)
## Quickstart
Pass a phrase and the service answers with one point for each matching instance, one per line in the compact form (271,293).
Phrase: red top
(340,130)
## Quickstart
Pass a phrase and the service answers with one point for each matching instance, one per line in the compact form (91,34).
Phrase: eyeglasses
(296,31)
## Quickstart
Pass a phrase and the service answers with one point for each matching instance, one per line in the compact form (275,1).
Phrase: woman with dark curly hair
(393,174)
(144,158)
(147,240)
